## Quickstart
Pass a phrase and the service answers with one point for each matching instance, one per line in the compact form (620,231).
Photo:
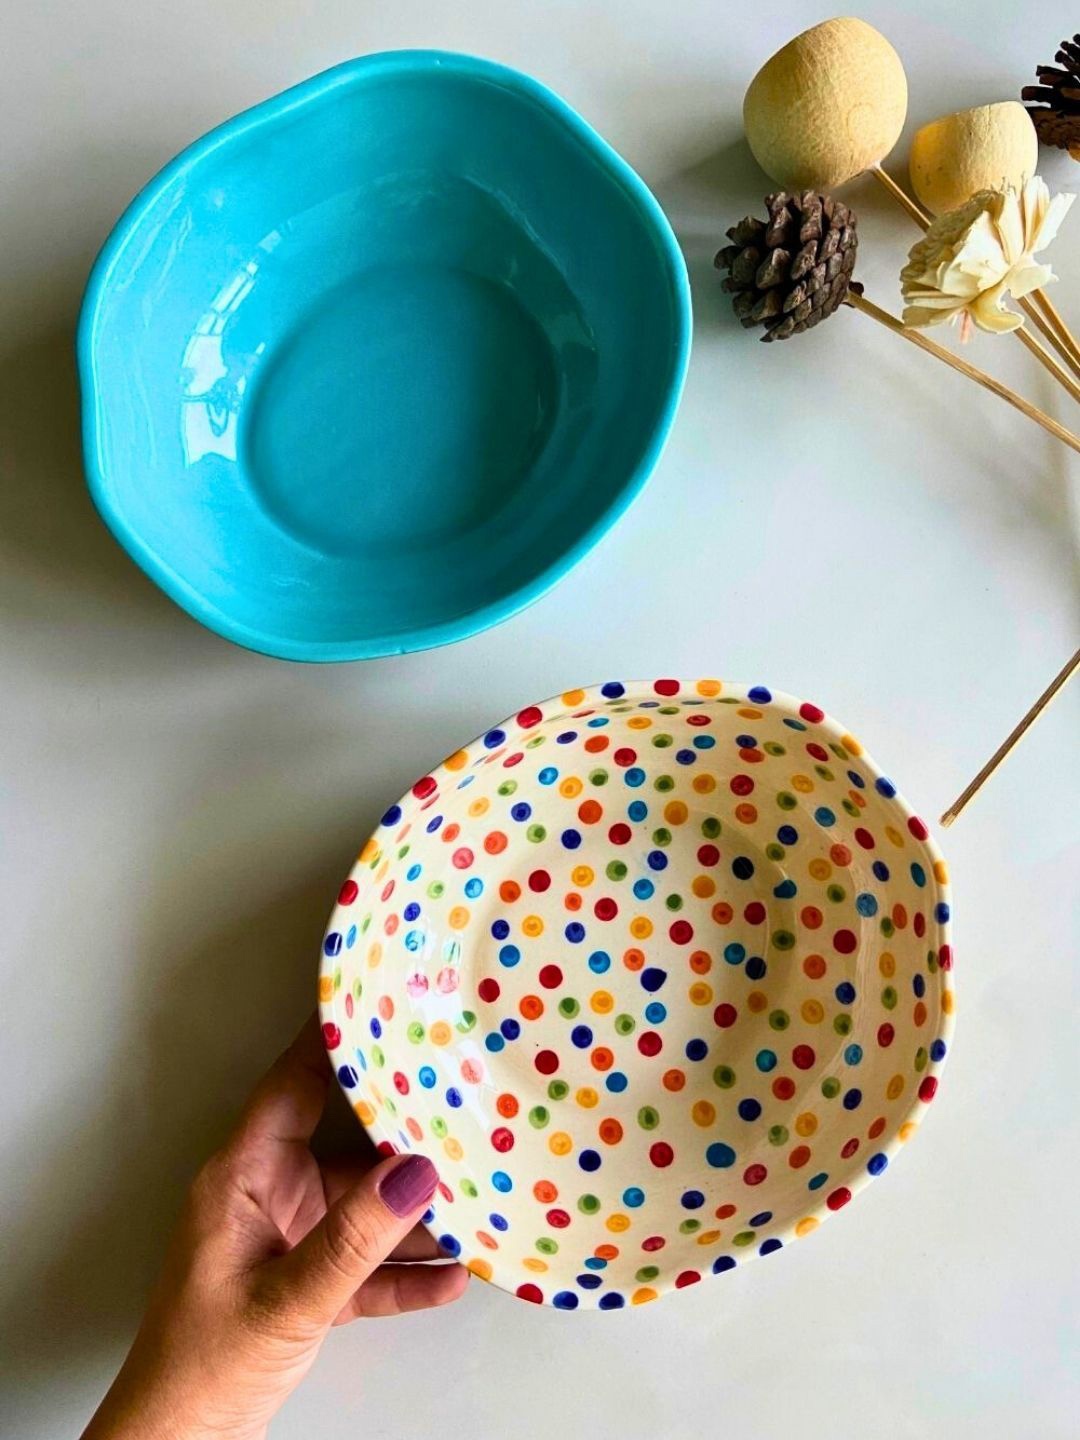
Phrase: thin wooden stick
(916,337)
(1048,362)
(1060,680)
(1054,329)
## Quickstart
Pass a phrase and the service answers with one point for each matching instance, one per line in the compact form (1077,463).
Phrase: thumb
(356,1235)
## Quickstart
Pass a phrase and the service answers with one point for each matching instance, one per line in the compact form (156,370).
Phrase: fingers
(358,1232)
(396,1289)
(342,1174)
(288,1100)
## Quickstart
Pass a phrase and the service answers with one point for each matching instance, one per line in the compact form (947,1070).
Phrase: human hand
(271,1250)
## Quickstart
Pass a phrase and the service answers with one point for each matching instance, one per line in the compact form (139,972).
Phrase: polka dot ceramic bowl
(658,974)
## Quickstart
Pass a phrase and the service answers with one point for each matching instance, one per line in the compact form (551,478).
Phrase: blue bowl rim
(348,73)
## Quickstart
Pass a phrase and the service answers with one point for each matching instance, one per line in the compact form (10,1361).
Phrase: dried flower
(971,258)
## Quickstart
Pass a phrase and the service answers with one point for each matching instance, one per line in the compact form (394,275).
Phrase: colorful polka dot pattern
(658,974)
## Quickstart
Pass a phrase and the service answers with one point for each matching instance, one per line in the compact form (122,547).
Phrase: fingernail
(408,1185)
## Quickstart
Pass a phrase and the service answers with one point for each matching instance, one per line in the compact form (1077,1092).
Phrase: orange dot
(573,901)
(709,1237)
(948,1001)
(573,697)
(611,1132)
(748,712)
(507,1105)
(840,855)
(602,1058)
(583,875)
(857,799)
(805,1124)
(413,1127)
(899,916)
(532,926)
(895,1087)
(369,852)
(365,1113)
(638,722)
(509,891)
(590,811)
(919,1013)
(439,1034)
(675,812)
(641,927)
(674,1080)
(531,1007)
(708,688)
(481,1268)
(701,962)
(326,987)
(634,959)
(703,1112)
(386,1007)
(705,783)
(756,1001)
(545,1192)
(451,833)
(596,743)
(851,745)
(700,993)
(807,1225)
(805,786)
(537,1266)
(746,813)
(876,1128)
(480,806)
(606,1252)
(618,1222)
(495,844)
(601,1002)
(814,966)
(812,1011)
(643,1296)
(488,1241)
(457,761)
(458,917)
(799,1156)
(811,917)
(703,886)
(722,913)
(570,787)
(907,1130)
(941,872)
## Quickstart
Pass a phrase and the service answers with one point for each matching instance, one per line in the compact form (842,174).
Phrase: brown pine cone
(793,270)
(1056,116)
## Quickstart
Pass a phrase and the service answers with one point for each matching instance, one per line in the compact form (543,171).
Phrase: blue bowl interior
(371,366)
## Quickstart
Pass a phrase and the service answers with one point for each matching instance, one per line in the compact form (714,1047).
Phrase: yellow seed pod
(987,148)
(827,106)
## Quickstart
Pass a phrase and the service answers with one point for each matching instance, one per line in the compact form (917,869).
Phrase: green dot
(508,787)
(661,836)
(838,751)
(536,833)
(378,1059)
(357,989)
(588,1204)
(851,808)
(662,741)
(786,800)
(435,889)
(648,1118)
(547,1246)
(772,747)
(745,1237)
(830,1088)
(842,1024)
(663,783)
(783,939)
(598,777)
(724,1076)
(469,1188)
(337,978)
(668,709)
(389,1104)
(415,1032)
(558,1089)
(710,827)
(403,851)
(824,772)
(778,1135)
(932,961)
(625,1024)
(888,997)
(438,1127)
(539,1116)
(534,742)
(674,902)
(647,1273)
(921,1058)
(569,1007)
(616,870)
(773,851)
(688,1227)
(466,1022)
(836,893)
(779,1020)
(365,924)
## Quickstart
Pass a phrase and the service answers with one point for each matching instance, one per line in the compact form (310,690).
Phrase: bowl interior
(656,974)
(382,354)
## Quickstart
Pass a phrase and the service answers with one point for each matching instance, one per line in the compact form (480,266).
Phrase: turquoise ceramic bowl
(371,366)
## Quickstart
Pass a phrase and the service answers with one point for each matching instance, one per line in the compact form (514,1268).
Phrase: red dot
(945,957)
(462,858)
(919,924)
(849,1149)
(698,719)
(741,784)
(754,914)
(488,990)
(783,1087)
(348,892)
(527,718)
(799,1156)
(331,1035)
(928,1089)
(605,908)
(539,881)
(725,1212)
(844,941)
(802,1057)
(865,839)
(751,757)
(755,1174)
(725,1015)
(550,977)
(385,1149)
(653,1242)
(917,828)
(688,1277)
(624,756)
(401,1084)
(547,1062)
(532,1293)
(559,1219)
(666,687)
(661,1154)
(708,855)
(650,1043)
(619,834)
(817,751)
(502,1139)
(811,713)
(424,787)
(512,760)
(445,1191)
(876,1128)
(681,932)
(885,1035)
(839,1198)
(596,743)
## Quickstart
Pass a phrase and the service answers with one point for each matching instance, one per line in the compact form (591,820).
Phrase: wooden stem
(916,337)
(1048,362)
(1060,680)
(1036,307)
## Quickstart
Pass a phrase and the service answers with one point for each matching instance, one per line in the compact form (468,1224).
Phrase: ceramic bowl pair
(371,366)
(657,974)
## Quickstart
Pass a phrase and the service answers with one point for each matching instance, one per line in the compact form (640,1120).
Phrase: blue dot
(474,887)
(652,979)
(332,944)
(414,940)
(589,1282)
(720,1156)
(787,835)
(793,724)
(494,1043)
(696,1049)
(759,695)
(656,860)
(786,889)
(411,911)
(581,1035)
(643,889)
(918,874)
(599,962)
(742,867)
(692,1200)
(635,776)
(565,1300)
(655,1012)
(746,742)
(548,775)
(761,1218)
(375,1027)
(392,816)
(704,742)
(567,737)
(594,1262)
(597,723)
(511,1029)
(918,984)
(633,1196)
(449,1245)
(350,938)
(612,689)
(866,904)
(575,932)
(589,1160)
(500,929)
(521,811)
(494,738)
(433,824)
(877,1163)
(453,1097)
(749,1109)
(413,871)
(734,953)
(765,1060)
(685,757)
(637,810)
(722,1263)
(499,1222)
(885,787)
(856,779)
(616,1082)
(941,912)
(853,1054)
(571,839)
(937,1050)
(347,1076)
(502,1181)
(509,955)
(612,1301)
(768,1247)
(845,992)
(816,1181)
(426,1077)
(824,816)
(853,1099)
(881,870)
(755,968)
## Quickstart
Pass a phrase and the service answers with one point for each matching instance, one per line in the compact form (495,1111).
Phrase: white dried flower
(971,258)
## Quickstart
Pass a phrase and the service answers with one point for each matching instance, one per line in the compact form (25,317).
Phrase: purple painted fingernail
(409,1185)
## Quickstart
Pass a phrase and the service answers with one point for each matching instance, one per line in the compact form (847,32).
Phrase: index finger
(285,1106)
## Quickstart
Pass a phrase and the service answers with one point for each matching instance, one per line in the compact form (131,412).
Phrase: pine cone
(793,270)
(1056,116)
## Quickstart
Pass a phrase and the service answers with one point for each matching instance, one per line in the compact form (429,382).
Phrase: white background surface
(835,516)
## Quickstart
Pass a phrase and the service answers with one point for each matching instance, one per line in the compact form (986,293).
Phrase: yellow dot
(894,836)
(573,697)
(700,993)
(807,1225)
(642,1296)
(453,1148)
(703,1113)
(532,926)
(570,787)
(895,1087)
(641,927)
(326,987)
(948,1001)
(376,1092)
(887,964)
(587,1097)
(703,886)
(369,852)
(907,1130)
(820,869)
(675,812)
(757,1001)
(365,1113)
(480,1268)
(812,1011)
(538,1267)
(941,872)
(618,1222)
(457,761)
(708,1237)
(638,722)
(708,688)
(374,955)
(458,917)
(805,1124)
(560,1143)
(802,783)
(748,712)
(602,1002)
(851,745)
(583,875)
(705,783)
(439,1034)
(480,806)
